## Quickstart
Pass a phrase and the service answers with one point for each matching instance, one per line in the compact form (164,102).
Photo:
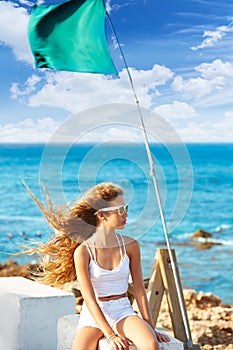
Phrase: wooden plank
(155,291)
(171,293)
(162,279)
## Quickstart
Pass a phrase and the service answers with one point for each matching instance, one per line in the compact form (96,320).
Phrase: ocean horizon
(196,188)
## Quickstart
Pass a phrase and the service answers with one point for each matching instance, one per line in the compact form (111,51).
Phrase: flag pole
(152,174)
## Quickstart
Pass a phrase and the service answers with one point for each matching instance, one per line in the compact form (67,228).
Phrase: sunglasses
(121,210)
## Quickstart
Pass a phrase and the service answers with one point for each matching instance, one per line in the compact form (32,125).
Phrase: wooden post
(155,291)
(162,279)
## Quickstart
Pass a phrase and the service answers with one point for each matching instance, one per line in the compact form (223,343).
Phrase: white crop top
(109,282)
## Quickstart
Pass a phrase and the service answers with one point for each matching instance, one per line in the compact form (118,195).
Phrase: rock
(210,322)
(206,300)
(201,234)
(11,268)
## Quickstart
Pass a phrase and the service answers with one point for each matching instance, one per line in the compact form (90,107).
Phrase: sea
(181,189)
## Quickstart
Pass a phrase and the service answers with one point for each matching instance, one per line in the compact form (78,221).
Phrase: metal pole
(152,174)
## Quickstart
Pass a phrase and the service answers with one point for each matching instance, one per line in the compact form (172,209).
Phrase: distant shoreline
(112,143)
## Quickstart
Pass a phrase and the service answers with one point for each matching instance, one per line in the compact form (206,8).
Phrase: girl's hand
(162,338)
(120,343)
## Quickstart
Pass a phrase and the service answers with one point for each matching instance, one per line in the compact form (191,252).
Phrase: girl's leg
(87,338)
(139,332)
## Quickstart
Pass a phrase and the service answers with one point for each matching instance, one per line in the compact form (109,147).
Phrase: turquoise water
(196,189)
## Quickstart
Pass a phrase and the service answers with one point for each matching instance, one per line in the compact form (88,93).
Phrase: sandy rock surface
(211,322)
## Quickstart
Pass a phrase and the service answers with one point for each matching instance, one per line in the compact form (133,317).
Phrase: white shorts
(114,311)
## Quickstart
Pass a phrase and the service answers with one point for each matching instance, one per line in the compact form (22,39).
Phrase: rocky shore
(211,321)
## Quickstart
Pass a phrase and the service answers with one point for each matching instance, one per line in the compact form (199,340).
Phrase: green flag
(71,36)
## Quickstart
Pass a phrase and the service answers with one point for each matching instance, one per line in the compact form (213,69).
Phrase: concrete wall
(29,313)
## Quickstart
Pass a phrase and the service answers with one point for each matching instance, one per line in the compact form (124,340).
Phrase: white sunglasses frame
(114,208)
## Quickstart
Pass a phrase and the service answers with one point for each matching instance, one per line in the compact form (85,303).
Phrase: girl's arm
(81,260)
(133,252)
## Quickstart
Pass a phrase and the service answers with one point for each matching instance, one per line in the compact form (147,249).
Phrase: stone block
(29,314)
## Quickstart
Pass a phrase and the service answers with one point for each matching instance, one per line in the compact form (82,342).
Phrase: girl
(88,248)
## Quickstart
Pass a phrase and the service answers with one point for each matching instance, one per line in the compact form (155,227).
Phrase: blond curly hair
(72,225)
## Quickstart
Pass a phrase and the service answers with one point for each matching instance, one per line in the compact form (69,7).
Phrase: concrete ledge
(67,327)
(29,314)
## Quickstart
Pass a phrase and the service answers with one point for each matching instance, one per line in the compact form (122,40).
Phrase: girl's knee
(149,344)
(87,338)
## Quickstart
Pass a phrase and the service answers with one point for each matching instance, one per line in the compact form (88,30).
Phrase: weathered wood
(155,291)
(162,279)
(171,293)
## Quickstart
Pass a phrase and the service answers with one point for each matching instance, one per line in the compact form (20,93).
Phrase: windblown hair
(72,225)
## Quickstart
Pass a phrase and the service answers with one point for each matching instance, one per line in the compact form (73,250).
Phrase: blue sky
(180,54)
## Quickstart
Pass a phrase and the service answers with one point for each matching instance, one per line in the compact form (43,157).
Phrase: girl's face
(114,218)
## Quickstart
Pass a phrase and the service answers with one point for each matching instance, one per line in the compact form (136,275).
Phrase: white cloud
(196,88)
(224,127)
(216,68)
(48,130)
(30,86)
(208,131)
(108,6)
(76,91)
(212,37)
(116,7)
(13,30)
(26,2)
(195,130)
(175,110)
(28,131)
(117,134)
(213,87)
